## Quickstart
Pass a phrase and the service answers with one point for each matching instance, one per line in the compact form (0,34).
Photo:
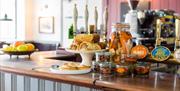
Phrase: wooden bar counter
(39,63)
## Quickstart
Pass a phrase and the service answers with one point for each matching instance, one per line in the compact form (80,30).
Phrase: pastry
(73,66)
(82,67)
(93,38)
(86,46)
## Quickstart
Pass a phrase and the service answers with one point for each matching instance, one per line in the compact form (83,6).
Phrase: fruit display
(87,42)
(19,46)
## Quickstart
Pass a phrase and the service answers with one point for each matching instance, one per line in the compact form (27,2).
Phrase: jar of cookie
(105,68)
(100,57)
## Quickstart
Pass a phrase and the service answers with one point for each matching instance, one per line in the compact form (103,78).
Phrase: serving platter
(18,53)
(60,71)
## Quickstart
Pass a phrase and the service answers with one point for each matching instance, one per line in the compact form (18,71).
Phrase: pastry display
(70,68)
(73,66)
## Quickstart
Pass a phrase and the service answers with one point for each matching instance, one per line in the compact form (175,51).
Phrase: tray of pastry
(70,68)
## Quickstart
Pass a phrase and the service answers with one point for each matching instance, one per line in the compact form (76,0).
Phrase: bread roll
(93,38)
(87,46)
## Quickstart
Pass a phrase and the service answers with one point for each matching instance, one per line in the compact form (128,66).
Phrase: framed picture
(46,25)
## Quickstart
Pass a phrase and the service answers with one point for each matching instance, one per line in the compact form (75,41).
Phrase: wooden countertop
(23,66)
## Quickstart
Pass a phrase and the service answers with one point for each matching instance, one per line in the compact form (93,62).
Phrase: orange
(30,46)
(140,51)
(18,43)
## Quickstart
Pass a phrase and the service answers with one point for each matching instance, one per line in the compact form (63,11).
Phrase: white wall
(39,10)
(28,24)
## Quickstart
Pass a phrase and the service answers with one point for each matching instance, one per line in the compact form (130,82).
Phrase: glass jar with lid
(142,69)
(120,42)
(123,71)
(105,68)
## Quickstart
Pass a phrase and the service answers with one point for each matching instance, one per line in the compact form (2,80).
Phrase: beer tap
(75,18)
(96,19)
(105,18)
(177,37)
(158,33)
(86,19)
(160,53)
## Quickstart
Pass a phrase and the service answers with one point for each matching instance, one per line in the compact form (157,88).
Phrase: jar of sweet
(100,57)
(105,68)
(142,69)
(120,42)
(95,66)
(107,56)
(122,71)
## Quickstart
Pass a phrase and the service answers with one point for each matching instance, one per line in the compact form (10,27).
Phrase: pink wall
(114,8)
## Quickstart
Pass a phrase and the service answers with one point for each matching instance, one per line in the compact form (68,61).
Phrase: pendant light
(5,18)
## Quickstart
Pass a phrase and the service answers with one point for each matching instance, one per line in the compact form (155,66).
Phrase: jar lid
(99,53)
(105,64)
(107,53)
(122,66)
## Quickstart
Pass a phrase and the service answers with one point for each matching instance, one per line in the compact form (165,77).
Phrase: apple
(22,48)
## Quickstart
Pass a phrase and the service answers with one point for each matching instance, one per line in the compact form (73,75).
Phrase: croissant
(93,38)
(89,46)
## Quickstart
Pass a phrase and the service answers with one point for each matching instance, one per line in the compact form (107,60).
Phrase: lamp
(5,18)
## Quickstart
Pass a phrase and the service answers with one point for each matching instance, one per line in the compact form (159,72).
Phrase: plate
(160,53)
(18,52)
(60,71)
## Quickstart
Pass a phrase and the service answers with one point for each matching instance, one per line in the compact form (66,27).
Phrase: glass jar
(122,71)
(100,57)
(107,56)
(142,69)
(95,66)
(120,43)
(105,68)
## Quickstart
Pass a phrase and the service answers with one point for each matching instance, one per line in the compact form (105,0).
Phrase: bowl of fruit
(19,48)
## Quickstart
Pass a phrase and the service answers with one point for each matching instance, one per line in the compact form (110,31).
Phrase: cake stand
(86,55)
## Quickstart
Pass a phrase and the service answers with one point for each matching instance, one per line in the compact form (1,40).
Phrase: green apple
(22,48)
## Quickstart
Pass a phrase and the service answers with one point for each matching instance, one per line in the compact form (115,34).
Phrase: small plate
(60,71)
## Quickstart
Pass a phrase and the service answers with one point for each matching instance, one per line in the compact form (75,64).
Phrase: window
(8,28)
